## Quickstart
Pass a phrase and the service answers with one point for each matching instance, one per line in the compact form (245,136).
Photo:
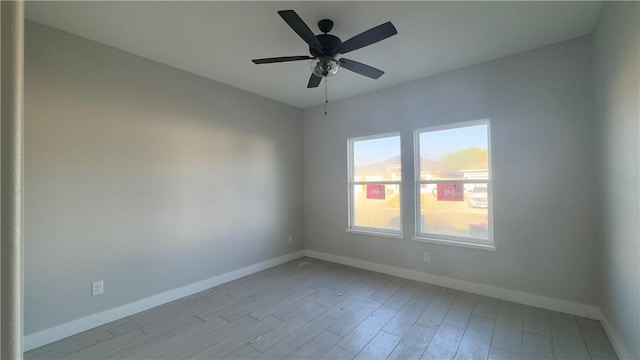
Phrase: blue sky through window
(434,144)
(376,150)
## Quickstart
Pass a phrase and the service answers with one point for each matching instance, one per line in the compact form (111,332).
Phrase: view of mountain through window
(375,184)
(454,179)
(453,184)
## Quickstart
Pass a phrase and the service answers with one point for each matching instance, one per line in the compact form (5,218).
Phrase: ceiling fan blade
(280,59)
(299,26)
(314,81)
(360,68)
(368,37)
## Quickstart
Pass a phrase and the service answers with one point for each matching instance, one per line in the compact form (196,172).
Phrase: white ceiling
(217,40)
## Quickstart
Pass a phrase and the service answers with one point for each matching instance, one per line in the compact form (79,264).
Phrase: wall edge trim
(616,341)
(73,327)
(565,306)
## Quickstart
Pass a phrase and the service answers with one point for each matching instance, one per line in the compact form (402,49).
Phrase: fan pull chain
(326,96)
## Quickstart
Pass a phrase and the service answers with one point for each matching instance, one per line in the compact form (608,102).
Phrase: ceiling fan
(325,48)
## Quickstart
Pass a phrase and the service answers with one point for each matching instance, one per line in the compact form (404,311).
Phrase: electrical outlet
(427,257)
(97,288)
(290,239)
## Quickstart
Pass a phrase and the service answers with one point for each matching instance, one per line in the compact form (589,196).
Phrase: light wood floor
(311,309)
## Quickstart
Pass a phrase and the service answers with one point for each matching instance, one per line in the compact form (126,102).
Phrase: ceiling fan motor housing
(329,43)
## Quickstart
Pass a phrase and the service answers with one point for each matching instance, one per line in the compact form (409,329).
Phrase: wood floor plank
(351,317)
(304,278)
(356,281)
(390,288)
(327,297)
(174,313)
(236,312)
(232,342)
(71,347)
(378,282)
(567,339)
(296,295)
(404,319)
(317,347)
(507,333)
(213,303)
(244,352)
(486,307)
(298,307)
(286,269)
(47,349)
(536,321)
(596,339)
(460,311)
(298,339)
(379,347)
(182,346)
(438,308)
(444,343)
(535,346)
(286,328)
(403,295)
(370,279)
(231,309)
(352,302)
(476,341)
(500,354)
(248,286)
(114,343)
(129,350)
(356,340)
(155,348)
(413,344)
(428,291)
(343,277)
(161,311)
(179,317)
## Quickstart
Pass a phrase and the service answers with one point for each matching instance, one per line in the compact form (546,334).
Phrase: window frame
(351,227)
(469,242)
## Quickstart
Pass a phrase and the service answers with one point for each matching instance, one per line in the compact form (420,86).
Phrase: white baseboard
(568,307)
(55,333)
(617,343)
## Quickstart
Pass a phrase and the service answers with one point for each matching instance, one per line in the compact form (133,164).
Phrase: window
(374,184)
(453,184)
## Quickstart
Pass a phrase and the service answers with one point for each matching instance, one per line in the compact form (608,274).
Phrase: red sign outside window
(375,192)
(450,192)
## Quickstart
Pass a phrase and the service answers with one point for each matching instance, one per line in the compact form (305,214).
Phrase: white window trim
(469,242)
(450,242)
(367,231)
(351,228)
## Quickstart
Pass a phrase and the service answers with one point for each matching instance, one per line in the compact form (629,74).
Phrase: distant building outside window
(453,184)
(374,184)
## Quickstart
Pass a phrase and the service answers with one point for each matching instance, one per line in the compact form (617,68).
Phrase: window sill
(456,243)
(375,233)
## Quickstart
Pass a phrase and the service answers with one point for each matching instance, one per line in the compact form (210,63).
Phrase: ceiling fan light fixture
(324,66)
(325,48)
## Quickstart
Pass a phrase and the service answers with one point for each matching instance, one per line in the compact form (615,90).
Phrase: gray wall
(146,177)
(616,49)
(543,135)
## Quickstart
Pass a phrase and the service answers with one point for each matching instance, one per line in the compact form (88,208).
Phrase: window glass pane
(377,206)
(377,159)
(458,153)
(455,210)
